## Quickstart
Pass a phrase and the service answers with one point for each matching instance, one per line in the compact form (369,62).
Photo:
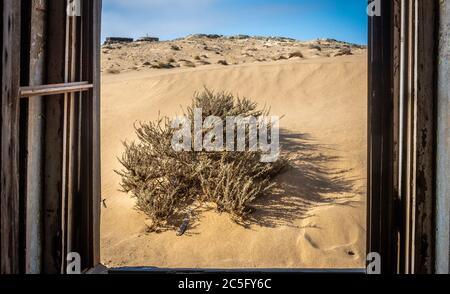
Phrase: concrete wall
(443,144)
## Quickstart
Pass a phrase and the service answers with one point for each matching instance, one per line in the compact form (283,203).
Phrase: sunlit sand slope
(315,219)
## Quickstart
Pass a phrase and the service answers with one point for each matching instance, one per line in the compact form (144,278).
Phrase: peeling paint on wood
(424,138)
(9,197)
(443,144)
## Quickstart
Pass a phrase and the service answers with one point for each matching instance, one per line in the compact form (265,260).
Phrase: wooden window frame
(71,151)
(402,95)
(401,196)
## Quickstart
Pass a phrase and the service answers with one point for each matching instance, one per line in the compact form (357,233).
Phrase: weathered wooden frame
(401,162)
(402,91)
(443,144)
(9,201)
(401,212)
(70,177)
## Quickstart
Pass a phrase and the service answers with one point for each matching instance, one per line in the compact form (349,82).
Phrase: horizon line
(235,35)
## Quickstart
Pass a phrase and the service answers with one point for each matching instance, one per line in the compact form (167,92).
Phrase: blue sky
(344,20)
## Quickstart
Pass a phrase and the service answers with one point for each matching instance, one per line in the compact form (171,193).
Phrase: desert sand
(316,217)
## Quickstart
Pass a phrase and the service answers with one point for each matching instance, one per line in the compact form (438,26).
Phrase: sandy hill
(199,50)
(317,216)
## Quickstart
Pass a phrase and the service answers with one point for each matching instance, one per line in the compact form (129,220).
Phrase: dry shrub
(281,57)
(315,47)
(203,62)
(162,65)
(343,52)
(296,54)
(113,71)
(222,62)
(187,63)
(166,183)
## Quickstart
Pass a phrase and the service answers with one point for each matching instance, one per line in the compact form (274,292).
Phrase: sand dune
(316,218)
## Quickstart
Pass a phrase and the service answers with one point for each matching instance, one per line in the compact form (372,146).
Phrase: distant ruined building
(119,40)
(115,40)
(148,39)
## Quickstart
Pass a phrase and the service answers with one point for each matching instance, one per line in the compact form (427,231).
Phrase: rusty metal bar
(35,141)
(46,90)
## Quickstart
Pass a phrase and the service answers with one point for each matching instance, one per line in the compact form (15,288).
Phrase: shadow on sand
(309,181)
